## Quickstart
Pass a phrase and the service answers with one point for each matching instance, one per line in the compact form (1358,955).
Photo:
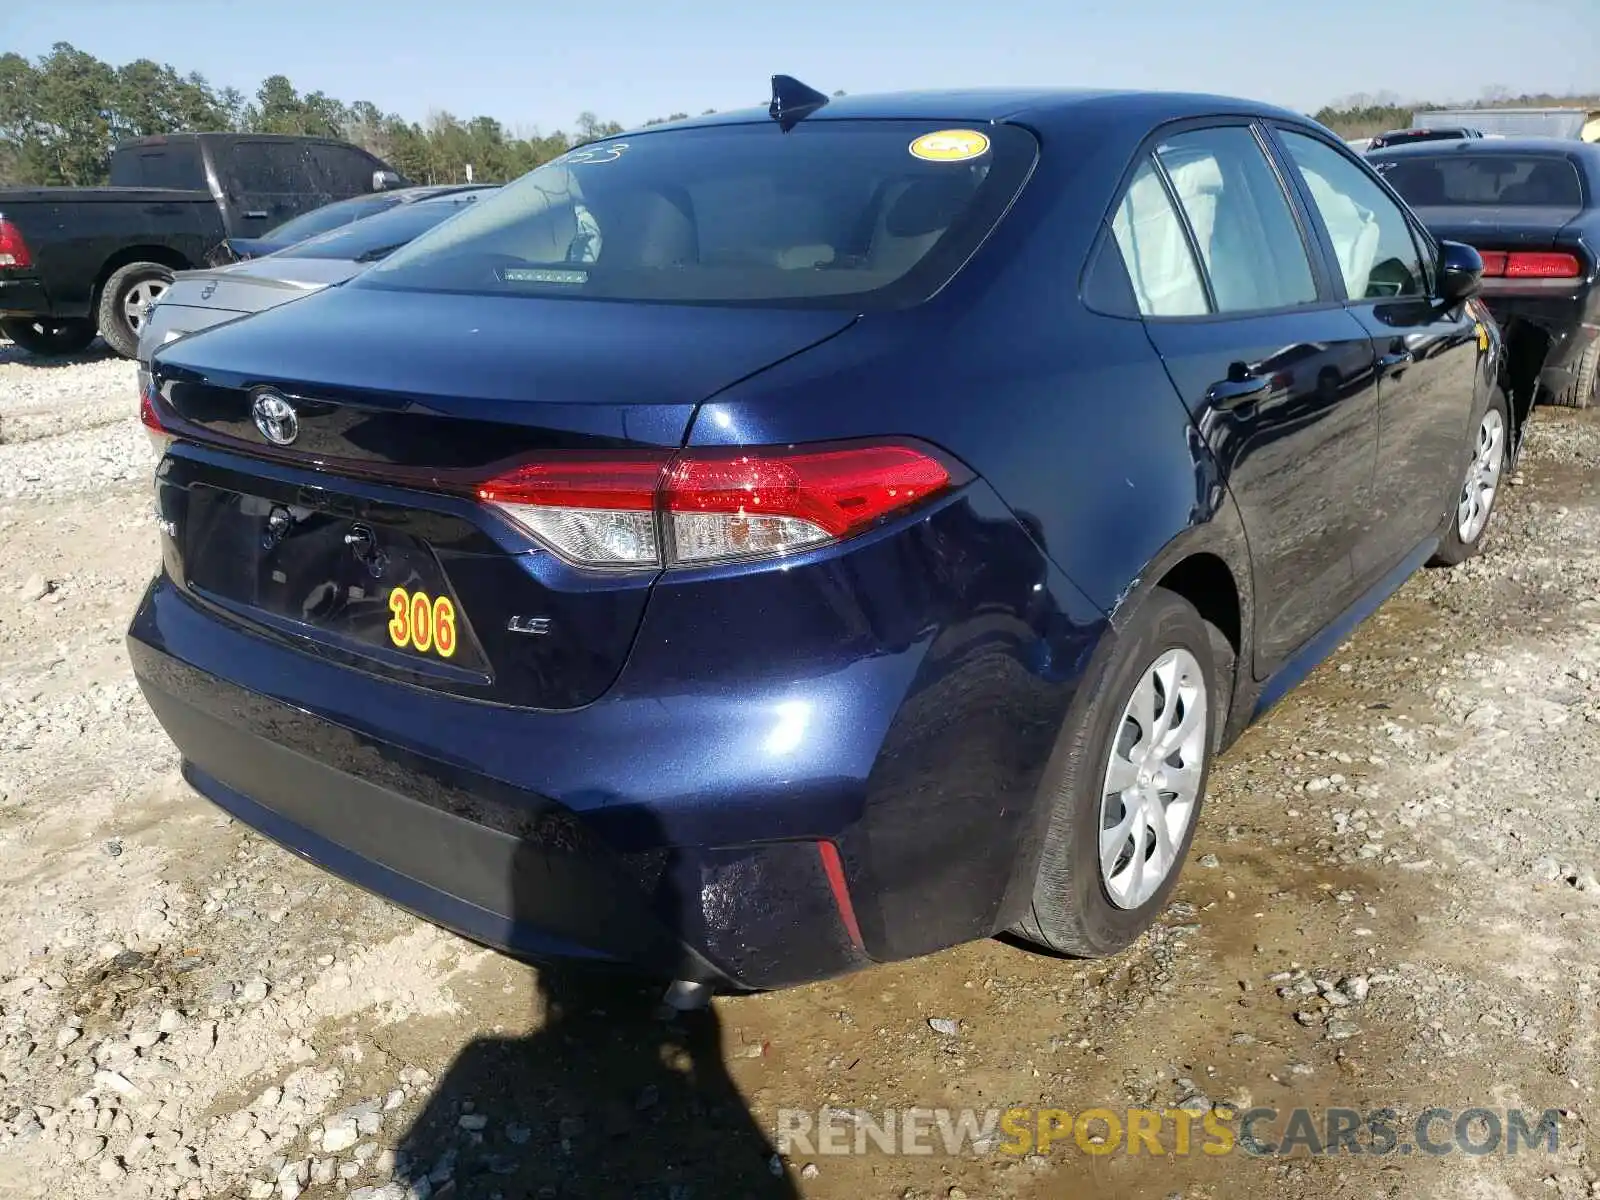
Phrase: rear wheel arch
(149,268)
(1208,566)
(166,256)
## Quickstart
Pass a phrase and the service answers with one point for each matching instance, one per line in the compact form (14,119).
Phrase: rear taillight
(1529,264)
(13,250)
(598,512)
(709,505)
(1542,266)
(160,439)
(1494,263)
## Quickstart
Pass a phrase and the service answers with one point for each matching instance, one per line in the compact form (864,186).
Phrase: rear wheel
(1127,785)
(46,337)
(1586,384)
(1469,522)
(124,300)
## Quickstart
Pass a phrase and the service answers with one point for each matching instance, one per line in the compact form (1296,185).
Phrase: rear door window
(1155,249)
(1486,180)
(268,182)
(1242,221)
(270,167)
(1371,237)
(832,213)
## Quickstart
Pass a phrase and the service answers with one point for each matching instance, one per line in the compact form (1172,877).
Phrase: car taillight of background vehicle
(13,250)
(160,438)
(1529,264)
(706,506)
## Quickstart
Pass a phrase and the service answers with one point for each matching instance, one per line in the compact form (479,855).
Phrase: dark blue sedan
(785,541)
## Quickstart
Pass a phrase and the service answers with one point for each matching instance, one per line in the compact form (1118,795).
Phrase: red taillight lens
(1494,263)
(160,439)
(737,506)
(709,505)
(13,250)
(1530,265)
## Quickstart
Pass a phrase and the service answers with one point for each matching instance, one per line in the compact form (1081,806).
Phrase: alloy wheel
(139,298)
(1483,478)
(1152,781)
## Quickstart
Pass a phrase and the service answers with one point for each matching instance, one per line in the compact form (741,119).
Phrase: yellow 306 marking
(422,623)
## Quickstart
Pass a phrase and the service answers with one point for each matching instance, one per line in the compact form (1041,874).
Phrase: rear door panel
(1298,458)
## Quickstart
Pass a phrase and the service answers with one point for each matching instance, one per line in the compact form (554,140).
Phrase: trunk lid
(403,402)
(258,284)
(1498,228)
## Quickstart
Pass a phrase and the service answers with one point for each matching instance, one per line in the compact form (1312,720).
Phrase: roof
(1022,105)
(162,139)
(1507,146)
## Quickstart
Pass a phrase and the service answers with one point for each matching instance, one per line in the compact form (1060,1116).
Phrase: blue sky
(536,63)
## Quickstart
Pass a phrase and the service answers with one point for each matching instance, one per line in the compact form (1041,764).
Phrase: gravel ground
(1392,902)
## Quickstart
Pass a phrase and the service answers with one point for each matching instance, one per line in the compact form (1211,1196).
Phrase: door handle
(1396,359)
(256,214)
(1228,394)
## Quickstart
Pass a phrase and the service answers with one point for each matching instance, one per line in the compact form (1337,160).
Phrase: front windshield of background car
(1484,180)
(329,216)
(825,214)
(374,237)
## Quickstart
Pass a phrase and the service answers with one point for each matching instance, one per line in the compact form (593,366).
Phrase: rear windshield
(172,165)
(376,237)
(1491,180)
(832,213)
(329,216)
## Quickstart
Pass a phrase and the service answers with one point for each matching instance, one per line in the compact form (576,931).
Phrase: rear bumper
(1570,319)
(24,296)
(499,864)
(734,810)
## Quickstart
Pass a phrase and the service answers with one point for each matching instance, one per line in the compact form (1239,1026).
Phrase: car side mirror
(384,180)
(1460,272)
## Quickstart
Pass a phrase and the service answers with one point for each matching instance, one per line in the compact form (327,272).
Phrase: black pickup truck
(1531,206)
(76,261)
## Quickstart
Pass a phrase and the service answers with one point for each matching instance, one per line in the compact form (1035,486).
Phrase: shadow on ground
(609,1096)
(13,354)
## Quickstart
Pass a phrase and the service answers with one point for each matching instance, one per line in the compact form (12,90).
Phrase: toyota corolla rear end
(455,603)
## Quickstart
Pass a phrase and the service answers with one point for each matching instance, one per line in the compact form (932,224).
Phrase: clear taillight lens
(597,512)
(709,505)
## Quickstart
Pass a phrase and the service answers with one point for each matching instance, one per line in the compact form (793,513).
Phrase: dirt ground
(1392,903)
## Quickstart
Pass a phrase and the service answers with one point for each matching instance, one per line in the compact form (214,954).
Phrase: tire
(48,338)
(1075,910)
(1467,524)
(122,299)
(1586,383)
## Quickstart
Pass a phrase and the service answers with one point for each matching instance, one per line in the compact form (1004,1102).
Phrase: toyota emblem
(275,418)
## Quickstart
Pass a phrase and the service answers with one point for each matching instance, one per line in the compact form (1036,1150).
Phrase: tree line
(61,115)
(1363,115)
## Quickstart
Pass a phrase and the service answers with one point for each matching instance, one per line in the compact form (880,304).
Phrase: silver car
(200,299)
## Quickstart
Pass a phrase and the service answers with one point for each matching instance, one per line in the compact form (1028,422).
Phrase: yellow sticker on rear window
(951,145)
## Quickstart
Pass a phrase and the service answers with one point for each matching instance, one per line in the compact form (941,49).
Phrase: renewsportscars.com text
(1261,1132)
